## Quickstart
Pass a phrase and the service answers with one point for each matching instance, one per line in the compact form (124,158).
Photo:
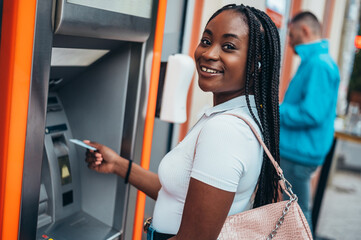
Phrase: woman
(217,168)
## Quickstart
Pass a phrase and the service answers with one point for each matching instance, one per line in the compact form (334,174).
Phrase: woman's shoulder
(234,116)
(227,123)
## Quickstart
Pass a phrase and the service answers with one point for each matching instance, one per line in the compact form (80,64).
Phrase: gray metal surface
(36,121)
(130,124)
(94,103)
(139,8)
(73,19)
(44,217)
(102,104)
(67,41)
(80,226)
(173,29)
(57,145)
(139,122)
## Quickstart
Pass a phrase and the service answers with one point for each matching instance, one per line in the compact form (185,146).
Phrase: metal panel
(67,41)
(94,103)
(139,120)
(131,124)
(36,121)
(77,20)
(139,8)
(37,109)
(173,29)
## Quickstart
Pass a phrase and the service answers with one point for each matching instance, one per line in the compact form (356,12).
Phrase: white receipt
(80,143)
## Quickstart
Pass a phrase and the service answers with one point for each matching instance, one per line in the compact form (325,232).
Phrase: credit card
(80,143)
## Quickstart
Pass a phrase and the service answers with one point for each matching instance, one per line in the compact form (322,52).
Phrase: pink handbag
(281,220)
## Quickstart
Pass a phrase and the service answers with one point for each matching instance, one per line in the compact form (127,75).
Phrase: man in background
(308,110)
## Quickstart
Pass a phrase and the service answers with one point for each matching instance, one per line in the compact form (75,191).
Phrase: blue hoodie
(308,110)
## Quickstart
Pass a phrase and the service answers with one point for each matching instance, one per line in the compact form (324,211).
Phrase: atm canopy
(125,20)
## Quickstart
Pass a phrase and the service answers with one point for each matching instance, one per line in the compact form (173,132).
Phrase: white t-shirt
(227,156)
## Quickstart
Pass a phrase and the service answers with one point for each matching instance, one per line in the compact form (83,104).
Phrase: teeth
(204,69)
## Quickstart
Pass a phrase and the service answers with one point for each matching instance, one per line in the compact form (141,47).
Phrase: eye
(205,41)
(229,46)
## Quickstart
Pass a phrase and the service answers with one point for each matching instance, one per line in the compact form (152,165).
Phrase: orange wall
(15,73)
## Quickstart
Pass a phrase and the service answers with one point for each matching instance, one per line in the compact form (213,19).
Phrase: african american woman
(219,169)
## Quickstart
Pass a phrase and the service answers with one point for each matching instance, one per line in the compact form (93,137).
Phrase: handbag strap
(285,185)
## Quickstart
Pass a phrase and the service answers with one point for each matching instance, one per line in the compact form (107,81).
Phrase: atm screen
(64,166)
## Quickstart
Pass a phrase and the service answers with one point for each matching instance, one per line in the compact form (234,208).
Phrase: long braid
(251,56)
(264,74)
(256,59)
(275,70)
(262,197)
(269,118)
(272,99)
(263,47)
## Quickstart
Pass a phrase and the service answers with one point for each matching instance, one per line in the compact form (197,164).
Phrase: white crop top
(227,156)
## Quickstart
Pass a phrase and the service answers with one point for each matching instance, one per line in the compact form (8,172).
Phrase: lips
(210,70)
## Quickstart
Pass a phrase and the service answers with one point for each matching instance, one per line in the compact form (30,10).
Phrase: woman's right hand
(104,159)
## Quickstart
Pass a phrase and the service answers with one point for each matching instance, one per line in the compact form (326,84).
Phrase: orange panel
(15,73)
(149,119)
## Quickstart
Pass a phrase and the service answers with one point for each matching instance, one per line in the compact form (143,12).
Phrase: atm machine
(86,83)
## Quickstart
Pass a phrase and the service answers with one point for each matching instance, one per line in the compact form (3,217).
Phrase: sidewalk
(340,215)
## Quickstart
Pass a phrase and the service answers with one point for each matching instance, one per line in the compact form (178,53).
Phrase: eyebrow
(226,35)
(208,31)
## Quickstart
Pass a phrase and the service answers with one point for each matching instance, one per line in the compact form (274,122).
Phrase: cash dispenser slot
(43,213)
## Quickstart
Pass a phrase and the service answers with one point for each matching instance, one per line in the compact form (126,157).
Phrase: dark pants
(152,234)
(299,176)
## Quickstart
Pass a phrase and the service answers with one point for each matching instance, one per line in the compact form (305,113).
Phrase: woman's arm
(205,211)
(144,180)
(105,160)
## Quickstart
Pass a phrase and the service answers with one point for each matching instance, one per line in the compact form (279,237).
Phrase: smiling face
(221,56)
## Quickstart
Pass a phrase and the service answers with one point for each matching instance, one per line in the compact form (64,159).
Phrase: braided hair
(262,76)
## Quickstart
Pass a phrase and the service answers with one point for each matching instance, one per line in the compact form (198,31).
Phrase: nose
(211,53)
